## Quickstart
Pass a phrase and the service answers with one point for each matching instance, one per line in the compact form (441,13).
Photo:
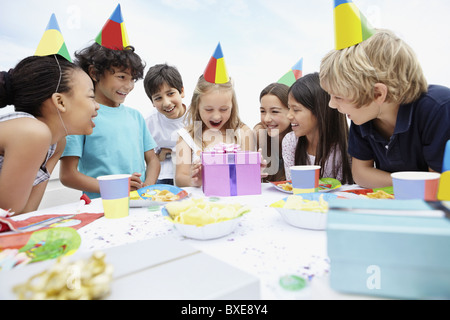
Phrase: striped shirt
(43,174)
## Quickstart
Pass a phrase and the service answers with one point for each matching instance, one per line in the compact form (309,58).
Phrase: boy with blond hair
(399,123)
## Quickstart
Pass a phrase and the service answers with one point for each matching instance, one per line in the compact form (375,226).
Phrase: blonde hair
(383,58)
(193,115)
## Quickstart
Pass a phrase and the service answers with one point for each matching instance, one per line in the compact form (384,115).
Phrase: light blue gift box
(404,256)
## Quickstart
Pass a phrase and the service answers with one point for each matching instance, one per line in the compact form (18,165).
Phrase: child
(213,118)
(273,127)
(52,98)
(399,123)
(319,134)
(164,86)
(121,143)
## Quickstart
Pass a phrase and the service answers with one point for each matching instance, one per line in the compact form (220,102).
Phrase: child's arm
(24,143)
(186,174)
(153,168)
(163,152)
(72,178)
(367,176)
(38,191)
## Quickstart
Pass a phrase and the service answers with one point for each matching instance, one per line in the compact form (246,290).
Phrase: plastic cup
(115,193)
(305,179)
(410,185)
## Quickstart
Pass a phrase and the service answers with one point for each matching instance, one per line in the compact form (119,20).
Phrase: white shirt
(164,131)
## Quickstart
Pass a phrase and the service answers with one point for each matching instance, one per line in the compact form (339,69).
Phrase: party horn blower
(350,25)
(52,42)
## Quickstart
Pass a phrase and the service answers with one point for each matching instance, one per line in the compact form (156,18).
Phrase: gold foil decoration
(80,280)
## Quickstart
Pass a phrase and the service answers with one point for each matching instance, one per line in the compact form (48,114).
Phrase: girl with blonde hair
(213,118)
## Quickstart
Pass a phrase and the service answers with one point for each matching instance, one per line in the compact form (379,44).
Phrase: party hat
(52,41)
(114,34)
(351,26)
(293,75)
(216,70)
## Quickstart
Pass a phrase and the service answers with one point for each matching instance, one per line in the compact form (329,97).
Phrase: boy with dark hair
(121,142)
(164,86)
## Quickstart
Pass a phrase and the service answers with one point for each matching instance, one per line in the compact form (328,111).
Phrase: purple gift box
(231,174)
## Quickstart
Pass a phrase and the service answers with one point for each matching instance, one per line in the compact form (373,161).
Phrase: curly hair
(96,60)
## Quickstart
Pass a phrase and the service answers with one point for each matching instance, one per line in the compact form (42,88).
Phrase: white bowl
(206,232)
(307,219)
(304,219)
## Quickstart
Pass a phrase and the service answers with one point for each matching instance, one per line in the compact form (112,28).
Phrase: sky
(261,39)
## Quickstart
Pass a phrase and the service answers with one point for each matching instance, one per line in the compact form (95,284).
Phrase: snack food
(134,195)
(306,211)
(164,195)
(155,195)
(199,212)
(380,194)
(286,186)
(298,203)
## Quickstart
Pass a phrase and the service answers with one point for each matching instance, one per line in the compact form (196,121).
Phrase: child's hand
(263,165)
(196,175)
(136,182)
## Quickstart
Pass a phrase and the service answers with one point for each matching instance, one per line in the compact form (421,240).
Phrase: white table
(263,244)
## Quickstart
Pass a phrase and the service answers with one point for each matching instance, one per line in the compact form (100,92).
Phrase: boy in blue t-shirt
(399,123)
(121,142)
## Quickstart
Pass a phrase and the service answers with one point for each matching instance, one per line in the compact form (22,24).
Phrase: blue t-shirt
(421,133)
(116,146)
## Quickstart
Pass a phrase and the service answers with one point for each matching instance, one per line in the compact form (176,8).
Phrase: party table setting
(307,238)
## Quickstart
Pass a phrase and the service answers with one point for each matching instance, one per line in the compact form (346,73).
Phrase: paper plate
(302,218)
(207,232)
(325,185)
(152,195)
(328,184)
(363,192)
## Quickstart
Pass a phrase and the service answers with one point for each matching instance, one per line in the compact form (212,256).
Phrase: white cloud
(192,5)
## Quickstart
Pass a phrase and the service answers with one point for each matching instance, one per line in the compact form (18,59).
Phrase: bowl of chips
(306,211)
(201,219)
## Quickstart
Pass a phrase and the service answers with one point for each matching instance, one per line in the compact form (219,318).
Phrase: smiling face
(274,115)
(359,115)
(81,105)
(113,87)
(215,109)
(303,122)
(168,101)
